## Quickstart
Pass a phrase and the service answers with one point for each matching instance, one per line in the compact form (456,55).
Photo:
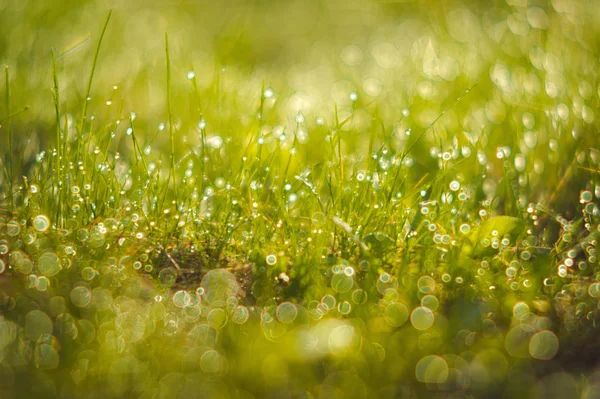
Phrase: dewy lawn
(300,199)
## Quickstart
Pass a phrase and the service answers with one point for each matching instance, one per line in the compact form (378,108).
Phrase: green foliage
(312,199)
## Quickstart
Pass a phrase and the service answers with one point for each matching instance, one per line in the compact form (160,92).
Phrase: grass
(421,223)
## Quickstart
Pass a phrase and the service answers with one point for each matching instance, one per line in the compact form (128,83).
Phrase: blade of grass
(202,131)
(59,154)
(17,113)
(170,115)
(89,87)
(10,143)
(414,143)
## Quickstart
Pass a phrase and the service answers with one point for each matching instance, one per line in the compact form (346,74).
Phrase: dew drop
(167,277)
(344,307)
(271,259)
(464,228)
(432,370)
(219,285)
(543,345)
(49,264)
(426,285)
(240,315)
(217,318)
(8,333)
(585,196)
(422,318)
(286,312)
(37,325)
(396,314)
(454,185)
(359,296)
(13,228)
(46,357)
(430,302)
(341,282)
(81,297)
(211,362)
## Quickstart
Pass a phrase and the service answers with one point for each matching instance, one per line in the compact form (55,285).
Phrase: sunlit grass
(415,215)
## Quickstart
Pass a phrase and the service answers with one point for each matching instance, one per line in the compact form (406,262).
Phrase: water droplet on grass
(181,299)
(8,333)
(41,223)
(464,228)
(96,240)
(430,302)
(585,196)
(543,345)
(102,298)
(342,283)
(318,218)
(167,277)
(396,314)
(426,285)
(49,264)
(87,331)
(240,315)
(386,282)
(81,297)
(422,318)
(65,328)
(271,259)
(46,357)
(359,296)
(13,228)
(88,273)
(344,340)
(42,283)
(432,370)
(219,285)
(211,362)
(286,312)
(329,301)
(37,325)
(217,318)
(130,325)
(344,308)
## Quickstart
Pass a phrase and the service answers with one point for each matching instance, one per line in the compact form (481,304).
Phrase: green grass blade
(89,85)
(10,143)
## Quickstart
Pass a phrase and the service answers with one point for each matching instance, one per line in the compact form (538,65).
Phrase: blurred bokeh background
(396,53)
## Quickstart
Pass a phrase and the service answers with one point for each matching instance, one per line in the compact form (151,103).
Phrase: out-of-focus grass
(323,199)
(252,41)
